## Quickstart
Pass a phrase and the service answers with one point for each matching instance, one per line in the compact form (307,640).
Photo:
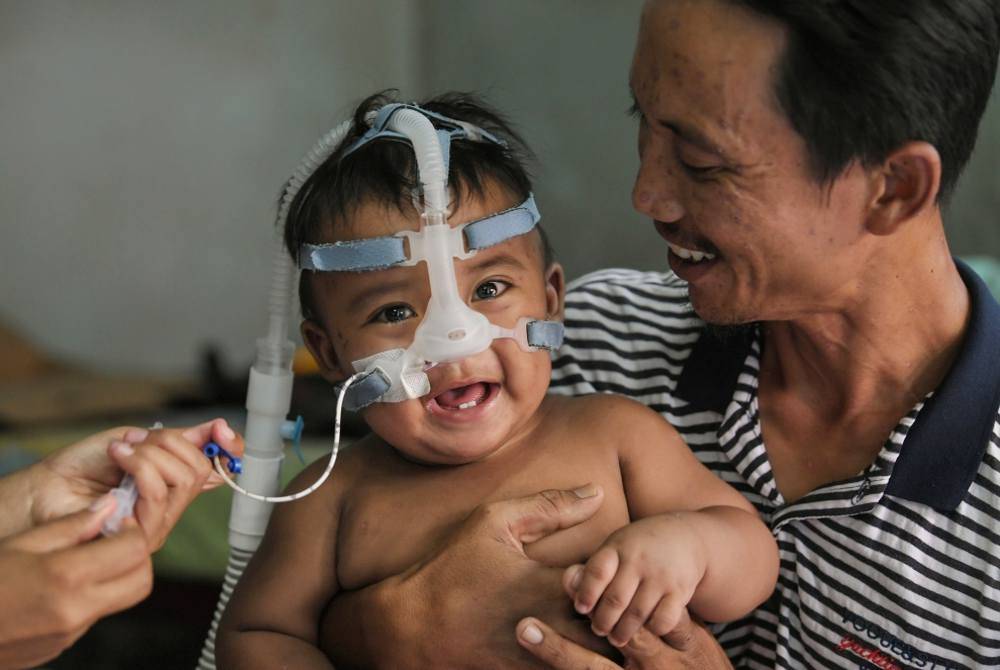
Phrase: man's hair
(859,78)
(385,172)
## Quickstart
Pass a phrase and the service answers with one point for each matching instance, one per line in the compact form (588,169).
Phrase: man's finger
(690,646)
(682,637)
(532,518)
(548,646)
(646,650)
(66,532)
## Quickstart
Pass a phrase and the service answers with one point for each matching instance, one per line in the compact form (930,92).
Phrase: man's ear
(908,184)
(555,292)
(320,346)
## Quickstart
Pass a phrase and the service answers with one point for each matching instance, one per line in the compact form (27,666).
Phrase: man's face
(722,171)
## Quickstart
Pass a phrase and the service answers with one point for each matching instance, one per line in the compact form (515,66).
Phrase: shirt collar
(944,447)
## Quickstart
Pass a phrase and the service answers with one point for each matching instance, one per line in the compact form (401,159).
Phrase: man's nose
(656,192)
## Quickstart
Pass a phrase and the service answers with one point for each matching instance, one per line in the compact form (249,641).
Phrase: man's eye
(489,290)
(394,314)
(701,170)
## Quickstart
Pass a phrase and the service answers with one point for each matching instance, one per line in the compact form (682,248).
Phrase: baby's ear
(555,292)
(321,347)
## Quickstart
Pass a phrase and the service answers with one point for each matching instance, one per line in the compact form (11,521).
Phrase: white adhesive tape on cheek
(404,371)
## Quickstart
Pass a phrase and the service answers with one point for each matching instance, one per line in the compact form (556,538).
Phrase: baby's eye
(394,314)
(491,289)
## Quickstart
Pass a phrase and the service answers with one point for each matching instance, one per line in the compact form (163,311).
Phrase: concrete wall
(560,69)
(973,217)
(143,144)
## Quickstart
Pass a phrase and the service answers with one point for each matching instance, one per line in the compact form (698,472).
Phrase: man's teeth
(690,254)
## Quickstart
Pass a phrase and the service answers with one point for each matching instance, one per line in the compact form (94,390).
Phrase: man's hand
(167,465)
(55,583)
(688,647)
(457,608)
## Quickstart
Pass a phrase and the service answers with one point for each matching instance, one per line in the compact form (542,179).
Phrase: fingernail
(574,581)
(588,491)
(228,432)
(122,448)
(135,435)
(100,503)
(532,634)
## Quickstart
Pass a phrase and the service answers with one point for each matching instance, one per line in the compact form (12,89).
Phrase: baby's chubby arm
(694,541)
(272,620)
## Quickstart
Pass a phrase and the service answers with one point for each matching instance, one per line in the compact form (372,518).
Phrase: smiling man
(816,344)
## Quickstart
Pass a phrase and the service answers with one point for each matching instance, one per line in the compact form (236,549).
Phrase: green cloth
(198,546)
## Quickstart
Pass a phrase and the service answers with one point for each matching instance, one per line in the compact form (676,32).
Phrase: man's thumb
(534,517)
(68,531)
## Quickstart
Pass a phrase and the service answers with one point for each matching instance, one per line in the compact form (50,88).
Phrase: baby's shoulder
(608,418)
(605,409)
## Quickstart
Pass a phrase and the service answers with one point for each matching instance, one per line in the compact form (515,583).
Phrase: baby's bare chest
(396,517)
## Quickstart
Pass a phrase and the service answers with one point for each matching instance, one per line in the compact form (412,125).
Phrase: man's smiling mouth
(690,255)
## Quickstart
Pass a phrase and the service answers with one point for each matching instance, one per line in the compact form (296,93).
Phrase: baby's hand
(643,574)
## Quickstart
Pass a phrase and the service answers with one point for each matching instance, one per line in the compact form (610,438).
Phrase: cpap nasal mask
(450,329)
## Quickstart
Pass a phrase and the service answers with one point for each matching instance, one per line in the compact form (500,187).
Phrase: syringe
(125,495)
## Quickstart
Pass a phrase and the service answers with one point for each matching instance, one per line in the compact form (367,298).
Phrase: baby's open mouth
(466,397)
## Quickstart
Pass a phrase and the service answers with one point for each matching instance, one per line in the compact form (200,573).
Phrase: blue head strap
(447,130)
(379,253)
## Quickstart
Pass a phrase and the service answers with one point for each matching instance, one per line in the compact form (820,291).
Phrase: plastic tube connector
(292,431)
(233,463)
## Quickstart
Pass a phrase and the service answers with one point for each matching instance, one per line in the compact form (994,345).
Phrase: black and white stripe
(868,579)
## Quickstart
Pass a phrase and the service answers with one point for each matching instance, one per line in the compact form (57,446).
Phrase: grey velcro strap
(366,390)
(545,334)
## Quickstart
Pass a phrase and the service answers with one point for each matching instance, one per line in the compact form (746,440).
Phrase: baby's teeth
(468,405)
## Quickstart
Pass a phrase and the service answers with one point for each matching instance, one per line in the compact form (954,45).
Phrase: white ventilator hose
(269,396)
(430,161)
(270,388)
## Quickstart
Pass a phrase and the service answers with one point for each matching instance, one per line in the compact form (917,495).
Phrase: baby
(668,534)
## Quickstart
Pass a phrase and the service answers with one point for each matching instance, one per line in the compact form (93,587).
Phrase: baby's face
(475,405)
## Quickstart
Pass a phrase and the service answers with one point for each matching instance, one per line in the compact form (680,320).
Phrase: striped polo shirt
(897,567)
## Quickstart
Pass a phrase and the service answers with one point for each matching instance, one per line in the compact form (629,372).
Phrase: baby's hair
(385,172)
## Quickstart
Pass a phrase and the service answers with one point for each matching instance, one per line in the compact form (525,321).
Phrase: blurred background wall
(142,146)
